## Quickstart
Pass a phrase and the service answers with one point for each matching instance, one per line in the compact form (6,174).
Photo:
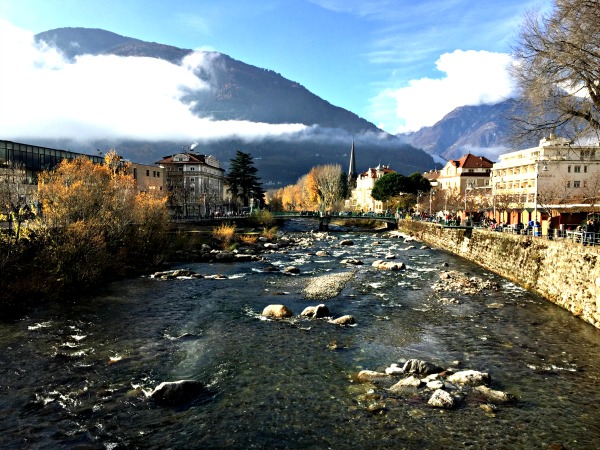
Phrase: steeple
(352,175)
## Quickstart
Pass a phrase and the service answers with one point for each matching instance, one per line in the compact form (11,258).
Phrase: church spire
(352,175)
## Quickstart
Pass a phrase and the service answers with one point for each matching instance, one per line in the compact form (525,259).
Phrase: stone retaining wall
(564,272)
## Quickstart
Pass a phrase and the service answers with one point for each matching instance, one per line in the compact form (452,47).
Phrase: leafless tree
(557,70)
(327,183)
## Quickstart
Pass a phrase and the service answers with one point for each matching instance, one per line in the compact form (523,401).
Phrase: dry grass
(248,239)
(270,233)
(224,232)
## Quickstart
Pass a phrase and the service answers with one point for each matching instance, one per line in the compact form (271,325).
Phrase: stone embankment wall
(564,272)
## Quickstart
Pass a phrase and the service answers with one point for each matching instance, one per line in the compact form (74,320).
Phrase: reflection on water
(76,374)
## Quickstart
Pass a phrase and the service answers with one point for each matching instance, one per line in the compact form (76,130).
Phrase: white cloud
(470,78)
(106,97)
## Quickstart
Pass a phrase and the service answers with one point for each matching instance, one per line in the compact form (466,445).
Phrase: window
(576,184)
(157,174)
(569,169)
(135,173)
(568,184)
(585,184)
(585,169)
(147,173)
(577,169)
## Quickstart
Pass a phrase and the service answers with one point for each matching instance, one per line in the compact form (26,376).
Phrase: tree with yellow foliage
(94,220)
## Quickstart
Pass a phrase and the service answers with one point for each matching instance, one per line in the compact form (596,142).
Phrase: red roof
(470,161)
(194,158)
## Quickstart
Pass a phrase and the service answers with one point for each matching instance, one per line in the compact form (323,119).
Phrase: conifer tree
(244,184)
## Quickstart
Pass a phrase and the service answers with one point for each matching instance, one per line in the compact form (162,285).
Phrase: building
(148,178)
(194,183)
(463,185)
(468,172)
(35,159)
(555,183)
(361,199)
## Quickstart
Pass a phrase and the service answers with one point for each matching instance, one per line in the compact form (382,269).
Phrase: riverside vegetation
(94,225)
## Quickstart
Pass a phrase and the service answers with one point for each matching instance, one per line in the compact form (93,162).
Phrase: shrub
(270,233)
(225,233)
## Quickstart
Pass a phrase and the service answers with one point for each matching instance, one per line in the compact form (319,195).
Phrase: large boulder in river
(420,367)
(175,393)
(316,312)
(277,312)
(344,320)
(346,242)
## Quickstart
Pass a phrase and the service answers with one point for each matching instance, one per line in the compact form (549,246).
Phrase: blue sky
(400,64)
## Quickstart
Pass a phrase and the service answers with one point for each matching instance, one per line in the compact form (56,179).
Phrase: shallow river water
(73,375)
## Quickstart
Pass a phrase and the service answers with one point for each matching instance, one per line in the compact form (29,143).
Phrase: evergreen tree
(244,184)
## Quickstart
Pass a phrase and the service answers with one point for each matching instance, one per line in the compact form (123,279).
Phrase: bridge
(325,219)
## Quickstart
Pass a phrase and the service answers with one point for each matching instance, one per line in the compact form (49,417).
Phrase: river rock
(388,265)
(371,375)
(346,242)
(394,369)
(344,320)
(291,269)
(174,393)
(271,246)
(271,269)
(353,262)
(217,276)
(441,399)
(469,377)
(408,382)
(224,257)
(435,384)
(420,367)
(277,312)
(316,312)
(322,253)
(494,396)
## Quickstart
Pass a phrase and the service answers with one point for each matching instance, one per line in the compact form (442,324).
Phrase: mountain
(484,130)
(240,91)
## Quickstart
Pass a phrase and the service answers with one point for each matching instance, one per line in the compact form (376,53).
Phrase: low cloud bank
(107,97)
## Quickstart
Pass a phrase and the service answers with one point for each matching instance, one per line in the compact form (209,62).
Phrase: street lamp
(468,187)
(431,192)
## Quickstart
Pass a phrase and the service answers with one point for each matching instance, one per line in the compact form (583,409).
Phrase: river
(73,375)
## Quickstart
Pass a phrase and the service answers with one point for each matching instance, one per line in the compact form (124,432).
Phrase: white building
(361,199)
(546,181)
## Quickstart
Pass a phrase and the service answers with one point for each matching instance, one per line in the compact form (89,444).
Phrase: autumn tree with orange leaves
(94,220)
